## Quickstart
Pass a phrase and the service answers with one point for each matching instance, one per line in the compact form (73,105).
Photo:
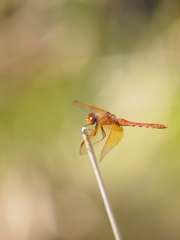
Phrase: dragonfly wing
(87,108)
(96,136)
(114,137)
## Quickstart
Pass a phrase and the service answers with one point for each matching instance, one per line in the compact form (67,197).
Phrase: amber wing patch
(114,137)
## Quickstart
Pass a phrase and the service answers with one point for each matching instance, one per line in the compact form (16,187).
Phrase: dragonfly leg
(103,135)
(87,129)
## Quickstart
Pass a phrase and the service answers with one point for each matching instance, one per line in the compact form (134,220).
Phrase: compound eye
(90,119)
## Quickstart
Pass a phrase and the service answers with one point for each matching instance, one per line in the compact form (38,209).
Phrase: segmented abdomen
(124,122)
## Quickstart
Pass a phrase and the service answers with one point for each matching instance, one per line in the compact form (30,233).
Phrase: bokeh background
(120,55)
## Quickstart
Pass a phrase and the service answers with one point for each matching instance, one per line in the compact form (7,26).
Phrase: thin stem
(107,204)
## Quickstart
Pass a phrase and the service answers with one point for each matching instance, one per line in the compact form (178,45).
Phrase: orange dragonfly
(106,123)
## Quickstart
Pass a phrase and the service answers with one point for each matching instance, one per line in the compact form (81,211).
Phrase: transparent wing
(114,137)
(87,108)
(96,136)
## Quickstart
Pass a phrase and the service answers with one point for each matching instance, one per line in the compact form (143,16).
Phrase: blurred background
(123,56)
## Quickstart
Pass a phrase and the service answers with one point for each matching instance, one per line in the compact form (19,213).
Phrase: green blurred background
(123,56)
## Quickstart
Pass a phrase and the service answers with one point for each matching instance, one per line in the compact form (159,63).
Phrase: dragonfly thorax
(91,118)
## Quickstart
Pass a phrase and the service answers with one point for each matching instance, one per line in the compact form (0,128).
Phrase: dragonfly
(106,124)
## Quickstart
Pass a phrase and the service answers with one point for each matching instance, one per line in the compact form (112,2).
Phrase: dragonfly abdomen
(124,122)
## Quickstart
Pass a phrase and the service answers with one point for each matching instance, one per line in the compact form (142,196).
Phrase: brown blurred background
(123,56)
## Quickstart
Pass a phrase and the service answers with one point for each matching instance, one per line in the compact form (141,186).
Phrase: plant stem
(107,204)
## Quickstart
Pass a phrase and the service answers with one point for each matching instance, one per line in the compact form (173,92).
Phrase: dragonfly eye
(91,119)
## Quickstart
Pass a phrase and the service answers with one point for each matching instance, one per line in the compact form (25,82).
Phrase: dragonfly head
(91,118)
